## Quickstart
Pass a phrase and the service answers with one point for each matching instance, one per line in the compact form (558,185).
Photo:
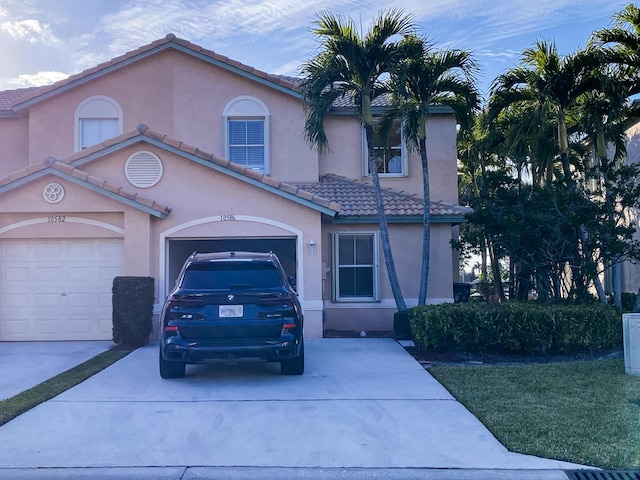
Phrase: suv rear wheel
(293,366)
(171,369)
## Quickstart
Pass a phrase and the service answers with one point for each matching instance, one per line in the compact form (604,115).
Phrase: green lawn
(14,406)
(586,412)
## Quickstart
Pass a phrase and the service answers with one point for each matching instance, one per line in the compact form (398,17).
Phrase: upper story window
(246,133)
(391,155)
(96,119)
(355,269)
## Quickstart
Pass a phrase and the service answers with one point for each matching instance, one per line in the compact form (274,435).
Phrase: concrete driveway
(362,403)
(24,365)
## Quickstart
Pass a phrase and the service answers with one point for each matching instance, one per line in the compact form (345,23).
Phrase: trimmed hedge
(516,327)
(132,310)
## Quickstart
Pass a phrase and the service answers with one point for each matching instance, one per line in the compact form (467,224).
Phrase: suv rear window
(230,276)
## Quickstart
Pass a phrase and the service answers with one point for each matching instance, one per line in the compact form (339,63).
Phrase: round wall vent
(143,169)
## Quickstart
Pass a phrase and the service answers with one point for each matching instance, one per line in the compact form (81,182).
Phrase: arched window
(246,133)
(97,118)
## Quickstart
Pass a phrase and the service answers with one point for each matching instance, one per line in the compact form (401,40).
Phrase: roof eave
(349,111)
(398,219)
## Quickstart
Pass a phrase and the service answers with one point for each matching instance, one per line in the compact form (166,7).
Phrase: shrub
(516,327)
(401,327)
(132,310)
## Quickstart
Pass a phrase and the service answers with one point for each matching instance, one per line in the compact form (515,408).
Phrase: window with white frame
(246,133)
(96,119)
(355,272)
(390,152)
(246,142)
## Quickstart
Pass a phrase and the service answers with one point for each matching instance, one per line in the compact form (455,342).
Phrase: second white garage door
(57,289)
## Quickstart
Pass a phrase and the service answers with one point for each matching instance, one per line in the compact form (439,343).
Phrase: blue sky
(42,41)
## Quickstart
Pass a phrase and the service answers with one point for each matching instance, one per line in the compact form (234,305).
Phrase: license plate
(227,311)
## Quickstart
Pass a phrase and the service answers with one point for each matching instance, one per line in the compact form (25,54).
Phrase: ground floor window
(355,272)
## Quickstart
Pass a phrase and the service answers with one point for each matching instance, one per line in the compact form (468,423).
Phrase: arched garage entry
(180,249)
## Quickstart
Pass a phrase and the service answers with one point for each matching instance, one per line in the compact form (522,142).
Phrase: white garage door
(58,289)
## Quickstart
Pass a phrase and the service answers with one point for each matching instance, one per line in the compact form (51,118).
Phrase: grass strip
(18,404)
(582,412)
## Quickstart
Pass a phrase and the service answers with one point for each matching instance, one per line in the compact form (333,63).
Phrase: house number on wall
(227,218)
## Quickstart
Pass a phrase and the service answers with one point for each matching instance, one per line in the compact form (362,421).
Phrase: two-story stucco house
(128,167)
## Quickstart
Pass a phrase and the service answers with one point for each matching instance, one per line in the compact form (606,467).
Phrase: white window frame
(246,107)
(335,246)
(97,107)
(403,158)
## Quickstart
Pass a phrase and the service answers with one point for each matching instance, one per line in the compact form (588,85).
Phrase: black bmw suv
(231,305)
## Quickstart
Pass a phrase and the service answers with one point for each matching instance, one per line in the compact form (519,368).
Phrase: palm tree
(549,82)
(625,37)
(353,65)
(429,78)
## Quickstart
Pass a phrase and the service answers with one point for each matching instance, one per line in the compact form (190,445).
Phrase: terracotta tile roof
(145,133)
(357,199)
(170,41)
(51,164)
(9,97)
(347,102)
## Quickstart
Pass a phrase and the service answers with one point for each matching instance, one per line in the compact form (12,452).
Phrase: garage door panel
(46,300)
(15,274)
(113,250)
(80,300)
(77,273)
(15,300)
(107,273)
(47,326)
(63,291)
(79,325)
(15,251)
(15,326)
(50,274)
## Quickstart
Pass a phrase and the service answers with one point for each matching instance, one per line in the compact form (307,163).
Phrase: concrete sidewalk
(362,404)
(24,365)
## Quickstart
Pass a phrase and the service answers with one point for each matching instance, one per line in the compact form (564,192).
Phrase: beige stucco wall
(378,315)
(345,157)
(14,135)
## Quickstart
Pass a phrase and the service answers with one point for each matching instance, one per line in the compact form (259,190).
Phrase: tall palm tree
(551,82)
(430,77)
(353,65)
(621,44)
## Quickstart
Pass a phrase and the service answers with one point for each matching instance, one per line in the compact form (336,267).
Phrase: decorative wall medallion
(53,193)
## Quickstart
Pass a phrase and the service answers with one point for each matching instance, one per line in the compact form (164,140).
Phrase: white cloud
(35,80)
(30,30)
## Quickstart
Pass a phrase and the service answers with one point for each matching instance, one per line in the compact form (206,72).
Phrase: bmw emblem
(230,297)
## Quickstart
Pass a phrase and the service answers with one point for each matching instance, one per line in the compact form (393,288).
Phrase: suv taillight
(287,328)
(184,301)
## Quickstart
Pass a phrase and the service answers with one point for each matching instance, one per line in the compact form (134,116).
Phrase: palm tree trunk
(426,225)
(563,143)
(616,278)
(382,221)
